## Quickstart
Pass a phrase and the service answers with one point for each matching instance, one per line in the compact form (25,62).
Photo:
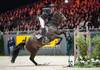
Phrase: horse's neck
(56,18)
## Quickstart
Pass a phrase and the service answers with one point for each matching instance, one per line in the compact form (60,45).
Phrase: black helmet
(47,9)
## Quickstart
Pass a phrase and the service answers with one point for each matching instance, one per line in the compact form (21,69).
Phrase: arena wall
(57,50)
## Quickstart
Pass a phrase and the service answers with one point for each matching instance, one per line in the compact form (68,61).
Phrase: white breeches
(42,23)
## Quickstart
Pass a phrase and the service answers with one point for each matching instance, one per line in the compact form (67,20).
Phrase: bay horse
(33,44)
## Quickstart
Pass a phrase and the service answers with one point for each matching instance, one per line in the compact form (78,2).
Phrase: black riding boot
(44,37)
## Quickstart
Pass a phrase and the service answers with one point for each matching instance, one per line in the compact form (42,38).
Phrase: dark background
(12,4)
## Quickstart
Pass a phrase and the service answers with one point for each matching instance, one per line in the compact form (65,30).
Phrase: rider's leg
(43,31)
(44,36)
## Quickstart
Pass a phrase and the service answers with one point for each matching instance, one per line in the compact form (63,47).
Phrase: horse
(33,44)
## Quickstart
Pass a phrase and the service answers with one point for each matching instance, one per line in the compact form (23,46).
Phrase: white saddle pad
(38,36)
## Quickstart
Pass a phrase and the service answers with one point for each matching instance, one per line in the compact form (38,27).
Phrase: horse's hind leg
(15,54)
(32,59)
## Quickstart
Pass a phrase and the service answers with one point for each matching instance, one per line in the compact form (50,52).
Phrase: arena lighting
(66,1)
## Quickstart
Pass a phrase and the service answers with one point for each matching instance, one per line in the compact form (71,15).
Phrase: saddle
(41,35)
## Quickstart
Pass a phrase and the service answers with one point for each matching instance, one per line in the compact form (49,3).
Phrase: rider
(41,31)
(43,19)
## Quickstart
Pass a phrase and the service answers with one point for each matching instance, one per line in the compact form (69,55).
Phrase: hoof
(70,65)
(39,64)
(12,61)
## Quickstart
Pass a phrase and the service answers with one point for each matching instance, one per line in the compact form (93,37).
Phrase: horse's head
(56,19)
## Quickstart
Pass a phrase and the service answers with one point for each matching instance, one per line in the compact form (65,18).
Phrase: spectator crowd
(77,12)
